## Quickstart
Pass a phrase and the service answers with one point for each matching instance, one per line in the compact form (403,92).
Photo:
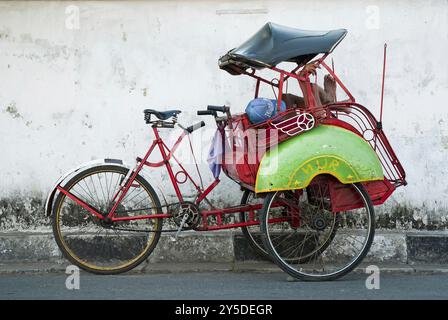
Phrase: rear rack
(360,120)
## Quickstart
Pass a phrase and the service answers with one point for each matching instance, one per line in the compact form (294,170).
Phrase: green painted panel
(323,150)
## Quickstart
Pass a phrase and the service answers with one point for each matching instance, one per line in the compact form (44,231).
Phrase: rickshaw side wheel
(252,234)
(289,241)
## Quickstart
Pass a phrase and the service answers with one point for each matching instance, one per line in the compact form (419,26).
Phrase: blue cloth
(261,109)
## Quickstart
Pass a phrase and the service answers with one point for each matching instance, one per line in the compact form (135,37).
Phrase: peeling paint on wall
(12,110)
(26,213)
(21,213)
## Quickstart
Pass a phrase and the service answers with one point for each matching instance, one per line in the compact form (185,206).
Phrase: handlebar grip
(218,108)
(206,113)
(198,125)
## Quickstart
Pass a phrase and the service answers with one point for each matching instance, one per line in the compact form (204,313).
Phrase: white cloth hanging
(215,153)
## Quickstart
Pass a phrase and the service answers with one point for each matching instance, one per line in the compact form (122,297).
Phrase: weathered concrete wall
(70,93)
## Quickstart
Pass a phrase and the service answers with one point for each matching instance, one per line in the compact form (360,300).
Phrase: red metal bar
(280,92)
(251,215)
(131,180)
(243,224)
(259,78)
(310,94)
(80,202)
(384,142)
(170,152)
(207,191)
(293,71)
(142,217)
(364,119)
(184,170)
(382,83)
(335,77)
(289,74)
(121,188)
(229,210)
(167,163)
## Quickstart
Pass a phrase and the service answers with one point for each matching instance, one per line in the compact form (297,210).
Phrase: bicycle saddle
(163,115)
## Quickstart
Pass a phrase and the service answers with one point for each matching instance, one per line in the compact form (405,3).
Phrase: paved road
(220,285)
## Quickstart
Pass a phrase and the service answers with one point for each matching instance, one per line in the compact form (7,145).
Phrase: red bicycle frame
(168,154)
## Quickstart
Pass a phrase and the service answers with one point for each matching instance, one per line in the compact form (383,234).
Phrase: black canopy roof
(274,43)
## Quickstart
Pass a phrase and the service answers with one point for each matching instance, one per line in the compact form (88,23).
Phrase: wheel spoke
(89,194)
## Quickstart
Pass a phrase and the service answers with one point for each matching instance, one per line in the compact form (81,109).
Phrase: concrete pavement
(221,286)
(201,267)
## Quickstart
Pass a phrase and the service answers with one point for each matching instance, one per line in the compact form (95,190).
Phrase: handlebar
(207,113)
(218,108)
(196,126)
(223,109)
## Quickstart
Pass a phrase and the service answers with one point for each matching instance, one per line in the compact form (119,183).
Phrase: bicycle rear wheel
(309,241)
(95,245)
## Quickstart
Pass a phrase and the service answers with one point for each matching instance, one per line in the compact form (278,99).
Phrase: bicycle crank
(189,209)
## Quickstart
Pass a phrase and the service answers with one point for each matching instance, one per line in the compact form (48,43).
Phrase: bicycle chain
(146,209)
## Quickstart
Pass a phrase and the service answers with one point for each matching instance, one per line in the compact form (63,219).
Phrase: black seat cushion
(163,115)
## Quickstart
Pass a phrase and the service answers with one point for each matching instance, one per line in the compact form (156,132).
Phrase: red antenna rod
(382,85)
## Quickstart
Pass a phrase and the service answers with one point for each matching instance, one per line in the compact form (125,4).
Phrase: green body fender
(325,149)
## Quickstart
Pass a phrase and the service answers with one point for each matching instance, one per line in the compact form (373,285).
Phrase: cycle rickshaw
(311,176)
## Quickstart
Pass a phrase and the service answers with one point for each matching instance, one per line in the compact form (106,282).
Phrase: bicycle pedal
(184,219)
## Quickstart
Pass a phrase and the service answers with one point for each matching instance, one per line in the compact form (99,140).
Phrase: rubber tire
(261,252)
(284,266)
(61,197)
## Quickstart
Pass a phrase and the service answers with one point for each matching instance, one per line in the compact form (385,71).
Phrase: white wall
(71,95)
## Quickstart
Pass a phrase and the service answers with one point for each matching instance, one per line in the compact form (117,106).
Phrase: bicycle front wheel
(309,241)
(90,242)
